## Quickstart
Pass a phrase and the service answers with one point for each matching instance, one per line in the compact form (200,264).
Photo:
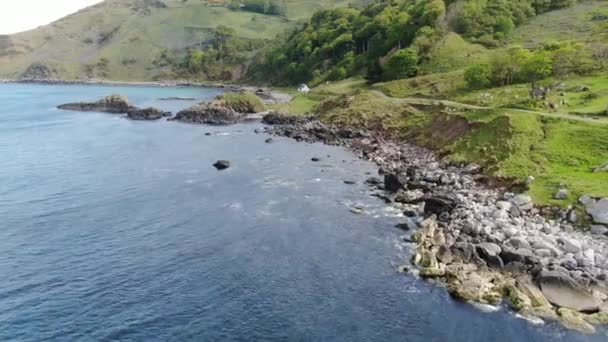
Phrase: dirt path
(429,102)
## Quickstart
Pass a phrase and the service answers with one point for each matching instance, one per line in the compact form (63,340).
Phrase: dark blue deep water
(116,230)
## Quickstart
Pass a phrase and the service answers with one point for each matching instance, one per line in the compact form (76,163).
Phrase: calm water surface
(116,230)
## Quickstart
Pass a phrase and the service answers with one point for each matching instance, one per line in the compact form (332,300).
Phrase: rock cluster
(484,243)
(117,104)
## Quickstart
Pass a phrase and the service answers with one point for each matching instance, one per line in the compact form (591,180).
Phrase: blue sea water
(116,230)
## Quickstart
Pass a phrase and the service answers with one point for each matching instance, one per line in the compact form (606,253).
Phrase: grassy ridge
(131,35)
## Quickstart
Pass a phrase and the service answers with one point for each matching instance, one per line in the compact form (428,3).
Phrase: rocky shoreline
(484,244)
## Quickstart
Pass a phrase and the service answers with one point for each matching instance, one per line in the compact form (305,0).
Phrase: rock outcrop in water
(212,113)
(116,104)
(484,243)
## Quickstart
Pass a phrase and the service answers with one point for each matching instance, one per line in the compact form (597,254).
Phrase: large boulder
(598,210)
(212,113)
(520,255)
(116,104)
(440,203)
(490,252)
(149,113)
(393,182)
(561,290)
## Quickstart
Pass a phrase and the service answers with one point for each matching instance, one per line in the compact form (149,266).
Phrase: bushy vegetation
(216,58)
(245,102)
(519,65)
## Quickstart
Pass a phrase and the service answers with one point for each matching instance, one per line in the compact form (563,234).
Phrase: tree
(404,63)
(506,68)
(478,76)
(537,67)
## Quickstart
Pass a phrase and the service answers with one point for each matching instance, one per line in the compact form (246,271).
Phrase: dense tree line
(387,39)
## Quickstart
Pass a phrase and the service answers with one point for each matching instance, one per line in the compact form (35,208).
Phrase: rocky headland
(485,244)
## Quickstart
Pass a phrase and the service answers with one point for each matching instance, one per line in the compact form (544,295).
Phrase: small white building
(304,89)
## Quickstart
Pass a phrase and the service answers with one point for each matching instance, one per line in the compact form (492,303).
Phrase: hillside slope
(123,39)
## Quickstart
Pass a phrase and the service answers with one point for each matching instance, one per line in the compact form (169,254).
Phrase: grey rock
(572,216)
(393,182)
(517,242)
(543,253)
(585,200)
(561,290)
(599,211)
(525,256)
(562,194)
(521,200)
(439,203)
(598,229)
(444,254)
(490,252)
(569,245)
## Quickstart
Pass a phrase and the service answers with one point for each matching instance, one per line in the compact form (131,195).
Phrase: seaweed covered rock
(213,113)
(116,104)
(244,102)
(276,118)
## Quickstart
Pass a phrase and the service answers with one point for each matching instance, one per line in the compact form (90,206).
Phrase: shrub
(403,64)
(478,76)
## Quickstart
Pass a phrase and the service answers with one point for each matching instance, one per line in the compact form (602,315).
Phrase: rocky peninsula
(485,244)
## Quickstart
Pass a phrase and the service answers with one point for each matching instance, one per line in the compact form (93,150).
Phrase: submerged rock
(222,164)
(116,104)
(149,113)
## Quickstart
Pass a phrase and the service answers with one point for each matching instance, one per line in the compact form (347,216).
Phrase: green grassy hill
(124,39)
(559,140)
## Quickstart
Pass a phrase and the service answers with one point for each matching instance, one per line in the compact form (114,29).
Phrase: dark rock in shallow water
(116,104)
(209,113)
(394,182)
(222,164)
(373,181)
(177,98)
(561,290)
(149,113)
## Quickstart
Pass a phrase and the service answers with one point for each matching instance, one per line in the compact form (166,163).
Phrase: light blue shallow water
(118,230)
